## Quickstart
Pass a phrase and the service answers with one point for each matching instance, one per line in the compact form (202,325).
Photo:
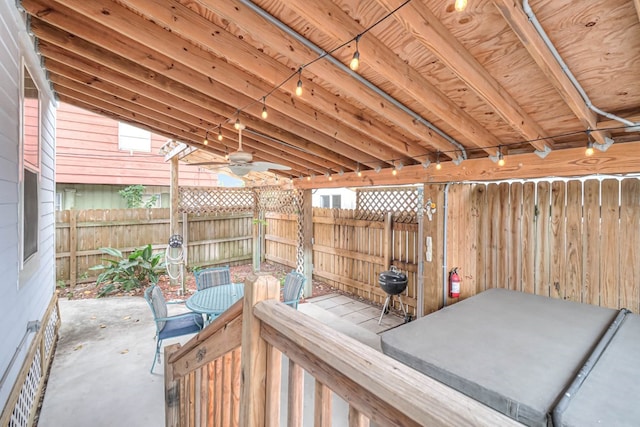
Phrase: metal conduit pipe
(588,366)
(320,52)
(445,209)
(536,24)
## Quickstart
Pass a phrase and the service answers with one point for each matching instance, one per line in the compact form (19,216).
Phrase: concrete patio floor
(100,373)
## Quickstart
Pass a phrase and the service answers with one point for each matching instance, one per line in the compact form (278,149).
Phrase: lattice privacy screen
(215,200)
(404,202)
(274,199)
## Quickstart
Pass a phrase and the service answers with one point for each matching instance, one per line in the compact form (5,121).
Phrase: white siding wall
(23,299)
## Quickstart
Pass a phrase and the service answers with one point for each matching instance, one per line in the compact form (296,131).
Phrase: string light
(264,107)
(355,61)
(206,138)
(236,125)
(299,85)
(438,165)
(589,150)
(460,5)
(500,157)
(220,137)
(358,171)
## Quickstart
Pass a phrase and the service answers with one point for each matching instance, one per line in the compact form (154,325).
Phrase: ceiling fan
(241,162)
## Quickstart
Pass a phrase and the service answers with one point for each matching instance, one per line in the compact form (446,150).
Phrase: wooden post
(185,238)
(322,406)
(357,418)
(175,198)
(254,351)
(421,254)
(296,395)
(274,379)
(73,247)
(387,240)
(174,227)
(307,246)
(171,389)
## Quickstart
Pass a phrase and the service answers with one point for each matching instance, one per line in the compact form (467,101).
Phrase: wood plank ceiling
(433,84)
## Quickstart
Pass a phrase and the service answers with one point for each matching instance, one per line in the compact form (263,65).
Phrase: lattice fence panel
(277,200)
(404,202)
(30,390)
(201,200)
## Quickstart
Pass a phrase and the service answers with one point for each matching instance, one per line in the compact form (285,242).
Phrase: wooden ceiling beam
(418,20)
(178,120)
(519,22)
(65,75)
(296,52)
(618,159)
(636,3)
(331,19)
(92,59)
(192,26)
(137,39)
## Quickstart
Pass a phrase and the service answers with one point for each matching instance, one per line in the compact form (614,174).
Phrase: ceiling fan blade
(264,166)
(209,163)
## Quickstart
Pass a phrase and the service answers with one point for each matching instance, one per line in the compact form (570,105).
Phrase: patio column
(307,241)
(175,198)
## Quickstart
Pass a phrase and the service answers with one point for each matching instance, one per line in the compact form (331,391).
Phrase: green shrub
(126,273)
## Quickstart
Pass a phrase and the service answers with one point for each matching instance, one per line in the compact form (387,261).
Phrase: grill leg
(384,308)
(402,306)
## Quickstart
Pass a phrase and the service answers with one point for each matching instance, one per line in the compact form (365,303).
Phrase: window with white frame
(131,138)
(336,201)
(30,176)
(325,201)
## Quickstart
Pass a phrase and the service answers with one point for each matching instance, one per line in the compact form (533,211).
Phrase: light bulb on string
(438,165)
(299,85)
(589,150)
(358,171)
(220,137)
(460,5)
(206,138)
(236,125)
(500,158)
(264,107)
(355,61)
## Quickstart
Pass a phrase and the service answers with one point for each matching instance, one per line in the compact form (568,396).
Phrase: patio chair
(213,276)
(169,326)
(293,287)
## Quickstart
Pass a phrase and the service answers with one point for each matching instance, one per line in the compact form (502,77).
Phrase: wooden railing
(204,386)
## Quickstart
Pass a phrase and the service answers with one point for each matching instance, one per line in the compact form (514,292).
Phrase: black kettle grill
(393,282)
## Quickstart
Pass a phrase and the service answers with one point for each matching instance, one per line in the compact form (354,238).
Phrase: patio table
(215,300)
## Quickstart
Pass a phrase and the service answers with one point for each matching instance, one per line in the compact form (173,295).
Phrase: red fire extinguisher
(454,283)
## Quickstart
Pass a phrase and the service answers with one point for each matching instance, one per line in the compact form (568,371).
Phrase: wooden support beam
(297,53)
(133,68)
(335,22)
(618,159)
(192,115)
(307,247)
(254,351)
(421,23)
(174,191)
(531,40)
(192,26)
(140,40)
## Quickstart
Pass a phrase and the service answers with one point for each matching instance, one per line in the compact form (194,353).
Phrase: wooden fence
(577,240)
(573,240)
(221,239)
